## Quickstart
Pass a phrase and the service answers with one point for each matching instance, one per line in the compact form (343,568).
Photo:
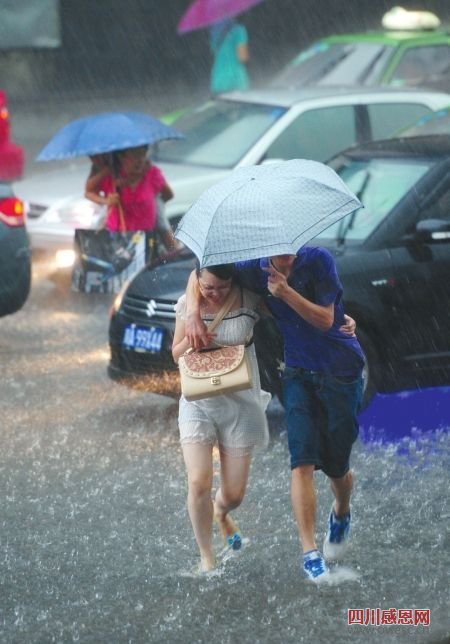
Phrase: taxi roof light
(401,19)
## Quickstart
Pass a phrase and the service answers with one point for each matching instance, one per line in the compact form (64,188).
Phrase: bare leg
(342,490)
(198,459)
(303,497)
(233,482)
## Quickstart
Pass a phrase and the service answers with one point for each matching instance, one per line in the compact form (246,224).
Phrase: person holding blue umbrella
(117,143)
(130,185)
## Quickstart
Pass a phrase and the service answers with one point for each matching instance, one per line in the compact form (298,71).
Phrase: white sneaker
(335,544)
(314,567)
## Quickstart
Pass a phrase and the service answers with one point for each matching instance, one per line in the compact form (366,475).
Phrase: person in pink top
(129,184)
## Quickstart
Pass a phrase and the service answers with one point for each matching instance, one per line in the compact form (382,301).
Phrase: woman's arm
(166,192)
(196,330)
(92,189)
(180,342)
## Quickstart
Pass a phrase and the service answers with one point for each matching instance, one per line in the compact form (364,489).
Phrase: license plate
(143,338)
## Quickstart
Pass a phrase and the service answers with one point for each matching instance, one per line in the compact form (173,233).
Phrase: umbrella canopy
(203,13)
(106,132)
(265,210)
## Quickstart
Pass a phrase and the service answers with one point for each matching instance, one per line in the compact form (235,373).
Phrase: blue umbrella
(106,132)
(265,210)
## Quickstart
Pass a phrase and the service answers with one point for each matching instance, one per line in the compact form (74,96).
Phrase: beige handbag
(217,371)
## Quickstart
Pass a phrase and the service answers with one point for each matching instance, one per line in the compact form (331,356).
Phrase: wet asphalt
(95,539)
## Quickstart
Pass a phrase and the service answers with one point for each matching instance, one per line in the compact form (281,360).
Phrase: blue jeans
(321,413)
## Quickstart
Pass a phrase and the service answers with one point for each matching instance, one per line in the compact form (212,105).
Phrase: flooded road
(96,544)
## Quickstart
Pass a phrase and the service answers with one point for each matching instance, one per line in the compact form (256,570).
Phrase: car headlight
(65,258)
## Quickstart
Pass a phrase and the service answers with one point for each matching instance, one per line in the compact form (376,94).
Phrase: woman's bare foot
(228,528)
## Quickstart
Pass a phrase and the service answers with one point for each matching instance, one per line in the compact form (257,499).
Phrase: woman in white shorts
(235,422)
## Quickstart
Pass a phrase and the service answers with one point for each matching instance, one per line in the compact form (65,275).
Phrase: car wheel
(369,369)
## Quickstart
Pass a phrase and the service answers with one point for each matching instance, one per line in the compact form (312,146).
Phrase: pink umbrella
(203,13)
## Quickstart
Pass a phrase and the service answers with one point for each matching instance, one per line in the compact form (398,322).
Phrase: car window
(336,64)
(422,64)
(437,204)
(219,133)
(380,184)
(316,134)
(387,118)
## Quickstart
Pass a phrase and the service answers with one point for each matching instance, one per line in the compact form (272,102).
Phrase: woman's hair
(221,271)
(144,148)
(118,154)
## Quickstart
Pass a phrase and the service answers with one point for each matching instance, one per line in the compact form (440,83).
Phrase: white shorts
(237,422)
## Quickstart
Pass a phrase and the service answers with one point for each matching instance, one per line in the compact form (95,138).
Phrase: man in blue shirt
(322,383)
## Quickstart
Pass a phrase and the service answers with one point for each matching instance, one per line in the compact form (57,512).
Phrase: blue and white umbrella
(265,210)
(106,132)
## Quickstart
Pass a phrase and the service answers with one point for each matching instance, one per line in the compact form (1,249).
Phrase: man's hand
(349,326)
(317,315)
(277,282)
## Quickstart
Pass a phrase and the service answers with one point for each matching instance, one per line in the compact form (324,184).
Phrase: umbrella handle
(115,173)
(123,226)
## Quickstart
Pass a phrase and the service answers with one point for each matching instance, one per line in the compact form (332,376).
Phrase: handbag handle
(223,311)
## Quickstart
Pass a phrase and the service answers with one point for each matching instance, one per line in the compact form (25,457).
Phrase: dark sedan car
(393,258)
(15,264)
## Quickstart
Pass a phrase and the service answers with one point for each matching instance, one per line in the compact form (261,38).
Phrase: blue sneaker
(234,541)
(335,544)
(314,566)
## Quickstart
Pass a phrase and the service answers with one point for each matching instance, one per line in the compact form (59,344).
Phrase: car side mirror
(432,230)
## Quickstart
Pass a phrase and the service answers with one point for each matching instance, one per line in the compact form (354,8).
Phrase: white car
(237,129)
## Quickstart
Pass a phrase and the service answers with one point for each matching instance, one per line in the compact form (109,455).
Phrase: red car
(12,156)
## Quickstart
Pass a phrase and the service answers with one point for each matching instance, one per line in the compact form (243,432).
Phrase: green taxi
(399,58)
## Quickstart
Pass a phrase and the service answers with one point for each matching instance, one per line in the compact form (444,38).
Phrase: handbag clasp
(215,380)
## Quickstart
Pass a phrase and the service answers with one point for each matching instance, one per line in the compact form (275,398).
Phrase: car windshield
(219,133)
(437,123)
(380,184)
(336,64)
